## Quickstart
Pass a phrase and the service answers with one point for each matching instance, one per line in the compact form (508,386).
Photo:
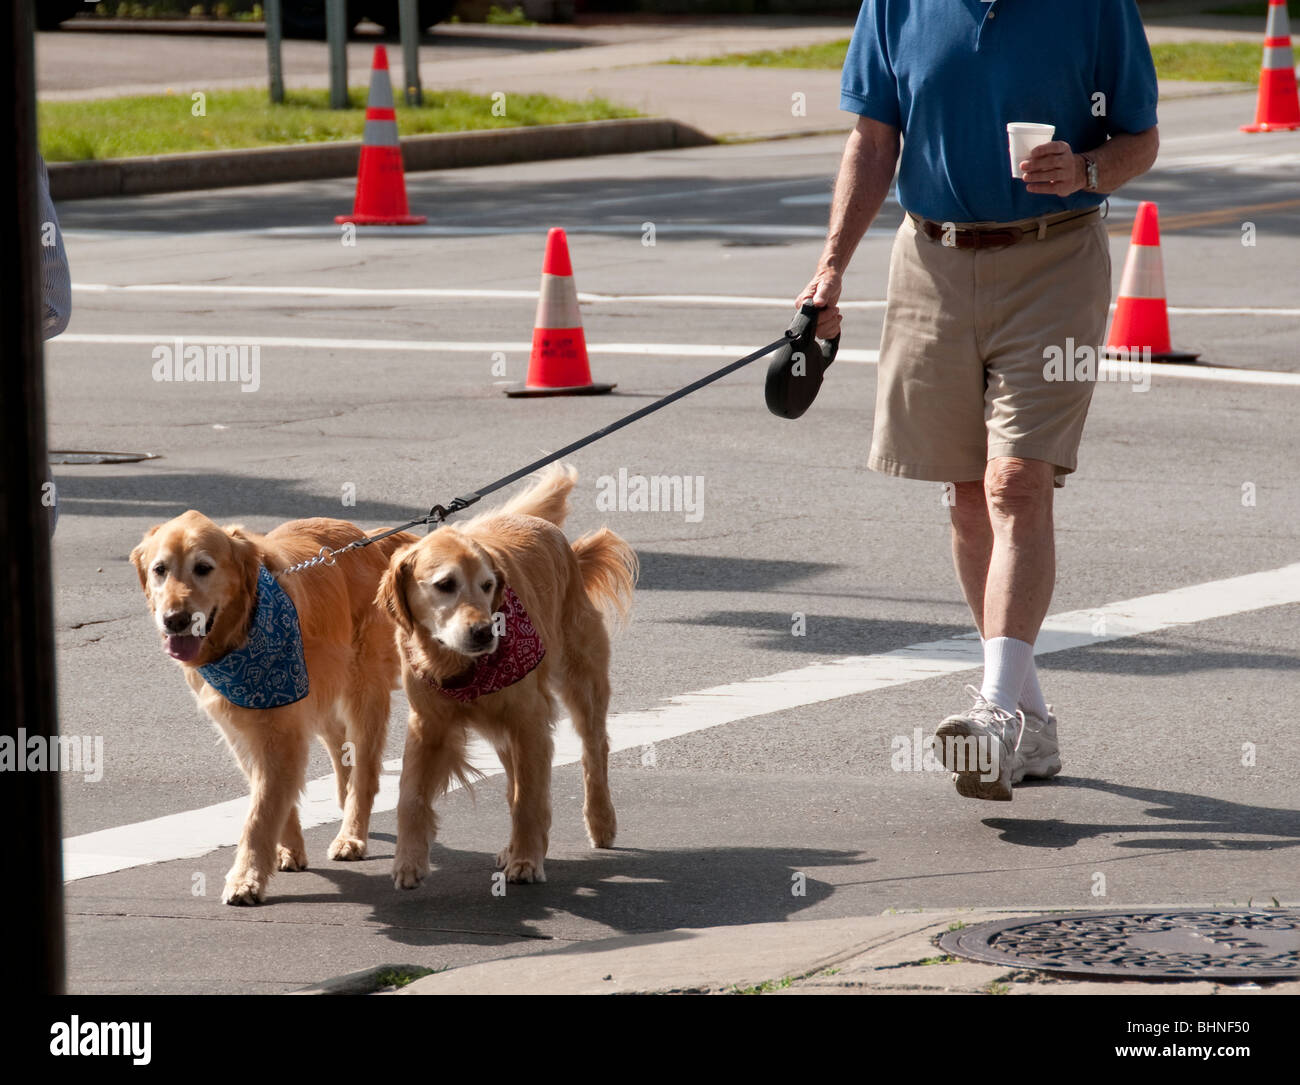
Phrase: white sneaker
(986,735)
(1039,754)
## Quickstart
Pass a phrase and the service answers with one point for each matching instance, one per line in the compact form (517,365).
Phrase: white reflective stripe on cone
(380,134)
(1144,273)
(381,89)
(1277,26)
(1278,58)
(557,307)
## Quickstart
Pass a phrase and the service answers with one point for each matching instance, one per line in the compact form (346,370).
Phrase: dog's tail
(548,497)
(609,570)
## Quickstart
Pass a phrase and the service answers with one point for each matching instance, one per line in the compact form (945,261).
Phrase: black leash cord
(465,502)
(439,513)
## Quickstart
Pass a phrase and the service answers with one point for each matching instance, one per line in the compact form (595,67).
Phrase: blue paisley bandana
(269,671)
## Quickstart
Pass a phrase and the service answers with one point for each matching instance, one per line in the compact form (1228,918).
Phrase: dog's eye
(160,569)
(202,569)
(446,584)
(487,585)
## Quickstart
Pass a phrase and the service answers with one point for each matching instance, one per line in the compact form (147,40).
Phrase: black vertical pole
(409,24)
(274,68)
(336,33)
(34,864)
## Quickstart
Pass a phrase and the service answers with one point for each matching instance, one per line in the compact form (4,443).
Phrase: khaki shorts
(961,377)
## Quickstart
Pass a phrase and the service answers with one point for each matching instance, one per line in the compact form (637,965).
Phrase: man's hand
(1052,169)
(824,292)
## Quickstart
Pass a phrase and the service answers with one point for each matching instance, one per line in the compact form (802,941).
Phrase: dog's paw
(408,873)
(347,848)
(520,871)
(290,858)
(243,890)
(602,826)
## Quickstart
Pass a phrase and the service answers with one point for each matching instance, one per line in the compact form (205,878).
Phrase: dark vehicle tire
(385,13)
(49,13)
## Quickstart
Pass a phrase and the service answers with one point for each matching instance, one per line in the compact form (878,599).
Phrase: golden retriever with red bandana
(495,616)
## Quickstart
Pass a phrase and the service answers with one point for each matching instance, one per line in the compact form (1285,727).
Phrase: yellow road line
(1210,218)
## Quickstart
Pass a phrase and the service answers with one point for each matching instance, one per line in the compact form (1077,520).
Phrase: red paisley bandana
(519,651)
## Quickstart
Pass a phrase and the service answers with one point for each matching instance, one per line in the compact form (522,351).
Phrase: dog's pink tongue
(184,647)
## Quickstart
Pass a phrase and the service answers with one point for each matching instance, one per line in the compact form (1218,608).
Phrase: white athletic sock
(1031,697)
(1007,663)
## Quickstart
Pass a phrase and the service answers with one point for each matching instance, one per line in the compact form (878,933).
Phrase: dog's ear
(138,556)
(392,590)
(499,592)
(248,559)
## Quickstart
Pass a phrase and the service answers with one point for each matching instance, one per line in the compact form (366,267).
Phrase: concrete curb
(309,162)
(881,954)
(365,982)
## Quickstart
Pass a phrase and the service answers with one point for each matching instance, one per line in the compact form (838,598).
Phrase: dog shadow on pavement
(598,893)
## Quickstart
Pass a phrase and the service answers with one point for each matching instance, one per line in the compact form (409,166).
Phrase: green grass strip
(826,55)
(1215,62)
(165,123)
(1226,62)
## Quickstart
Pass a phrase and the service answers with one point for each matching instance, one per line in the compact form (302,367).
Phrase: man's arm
(1053,169)
(866,172)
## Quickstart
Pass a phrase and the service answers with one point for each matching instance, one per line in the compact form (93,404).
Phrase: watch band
(1090,169)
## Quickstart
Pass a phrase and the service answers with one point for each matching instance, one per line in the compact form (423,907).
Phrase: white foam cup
(1023,137)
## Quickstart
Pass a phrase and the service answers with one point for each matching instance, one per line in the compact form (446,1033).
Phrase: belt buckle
(985,239)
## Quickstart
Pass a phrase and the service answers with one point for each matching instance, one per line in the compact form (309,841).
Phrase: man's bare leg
(1004,553)
(1022,569)
(972,545)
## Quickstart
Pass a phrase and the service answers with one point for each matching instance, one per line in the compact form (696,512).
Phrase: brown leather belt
(1000,235)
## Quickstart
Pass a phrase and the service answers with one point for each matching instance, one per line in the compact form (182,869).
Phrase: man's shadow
(1202,822)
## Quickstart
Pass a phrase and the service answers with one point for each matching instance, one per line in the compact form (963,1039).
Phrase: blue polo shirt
(951,74)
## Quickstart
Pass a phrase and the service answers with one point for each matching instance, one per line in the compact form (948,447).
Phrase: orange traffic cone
(1141,321)
(381,184)
(1278,107)
(558,364)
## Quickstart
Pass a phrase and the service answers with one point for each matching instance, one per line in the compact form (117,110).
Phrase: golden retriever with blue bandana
(226,616)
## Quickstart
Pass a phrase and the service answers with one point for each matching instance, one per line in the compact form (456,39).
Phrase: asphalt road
(713,824)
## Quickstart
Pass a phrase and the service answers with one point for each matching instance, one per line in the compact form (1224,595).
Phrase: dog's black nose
(176,621)
(481,635)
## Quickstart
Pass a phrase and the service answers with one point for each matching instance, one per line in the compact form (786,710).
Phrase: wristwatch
(1090,167)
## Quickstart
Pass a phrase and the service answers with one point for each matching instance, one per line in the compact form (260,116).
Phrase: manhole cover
(1240,944)
(61,456)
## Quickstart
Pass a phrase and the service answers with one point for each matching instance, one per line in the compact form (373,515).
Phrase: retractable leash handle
(795,374)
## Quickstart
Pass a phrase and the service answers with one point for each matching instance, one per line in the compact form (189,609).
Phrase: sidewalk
(628,65)
(885,954)
(755,103)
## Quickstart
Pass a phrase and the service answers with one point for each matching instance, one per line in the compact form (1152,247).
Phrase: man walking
(988,272)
